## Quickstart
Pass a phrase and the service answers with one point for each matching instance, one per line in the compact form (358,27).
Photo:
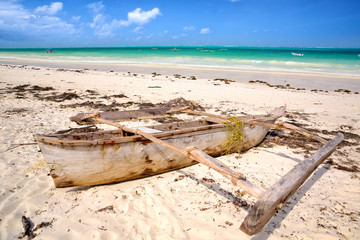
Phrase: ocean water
(305,60)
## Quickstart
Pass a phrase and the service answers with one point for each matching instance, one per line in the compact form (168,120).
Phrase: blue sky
(81,23)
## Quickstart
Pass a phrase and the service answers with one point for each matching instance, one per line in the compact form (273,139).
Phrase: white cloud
(75,18)
(189,28)
(18,23)
(96,7)
(105,30)
(54,8)
(98,21)
(140,17)
(234,1)
(101,28)
(11,13)
(54,25)
(15,21)
(138,29)
(205,30)
(179,36)
(136,17)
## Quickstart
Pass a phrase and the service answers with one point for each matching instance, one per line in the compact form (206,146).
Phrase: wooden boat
(119,155)
(107,157)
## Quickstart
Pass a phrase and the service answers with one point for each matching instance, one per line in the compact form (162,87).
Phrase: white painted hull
(115,159)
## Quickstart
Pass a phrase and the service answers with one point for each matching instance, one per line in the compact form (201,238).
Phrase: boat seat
(148,130)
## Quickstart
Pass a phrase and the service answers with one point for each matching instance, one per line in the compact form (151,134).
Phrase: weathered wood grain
(126,115)
(107,157)
(265,207)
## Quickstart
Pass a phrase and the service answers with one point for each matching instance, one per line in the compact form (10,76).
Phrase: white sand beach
(194,202)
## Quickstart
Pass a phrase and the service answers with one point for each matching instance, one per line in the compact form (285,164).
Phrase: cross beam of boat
(85,159)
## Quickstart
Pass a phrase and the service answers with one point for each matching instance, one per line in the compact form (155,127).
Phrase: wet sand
(310,81)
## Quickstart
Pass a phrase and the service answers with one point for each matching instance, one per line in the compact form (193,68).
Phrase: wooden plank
(260,122)
(306,133)
(126,115)
(266,207)
(61,141)
(199,156)
(236,178)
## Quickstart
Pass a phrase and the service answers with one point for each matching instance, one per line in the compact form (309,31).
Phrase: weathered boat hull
(88,160)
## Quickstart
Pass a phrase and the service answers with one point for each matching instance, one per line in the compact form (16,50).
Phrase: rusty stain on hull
(148,160)
(98,160)
(145,142)
(53,175)
(103,149)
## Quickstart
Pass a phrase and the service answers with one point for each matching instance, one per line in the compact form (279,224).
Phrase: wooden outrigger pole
(197,155)
(269,201)
(272,200)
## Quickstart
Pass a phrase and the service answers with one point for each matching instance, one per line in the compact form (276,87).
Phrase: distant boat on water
(48,50)
(208,51)
(297,54)
(175,49)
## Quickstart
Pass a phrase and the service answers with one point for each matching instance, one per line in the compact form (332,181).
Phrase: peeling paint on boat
(97,160)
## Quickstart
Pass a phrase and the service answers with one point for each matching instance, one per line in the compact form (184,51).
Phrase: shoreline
(309,81)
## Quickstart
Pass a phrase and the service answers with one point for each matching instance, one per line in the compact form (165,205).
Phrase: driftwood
(28,225)
(15,145)
(29,229)
(265,208)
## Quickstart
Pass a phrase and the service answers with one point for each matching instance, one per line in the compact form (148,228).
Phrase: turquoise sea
(306,60)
